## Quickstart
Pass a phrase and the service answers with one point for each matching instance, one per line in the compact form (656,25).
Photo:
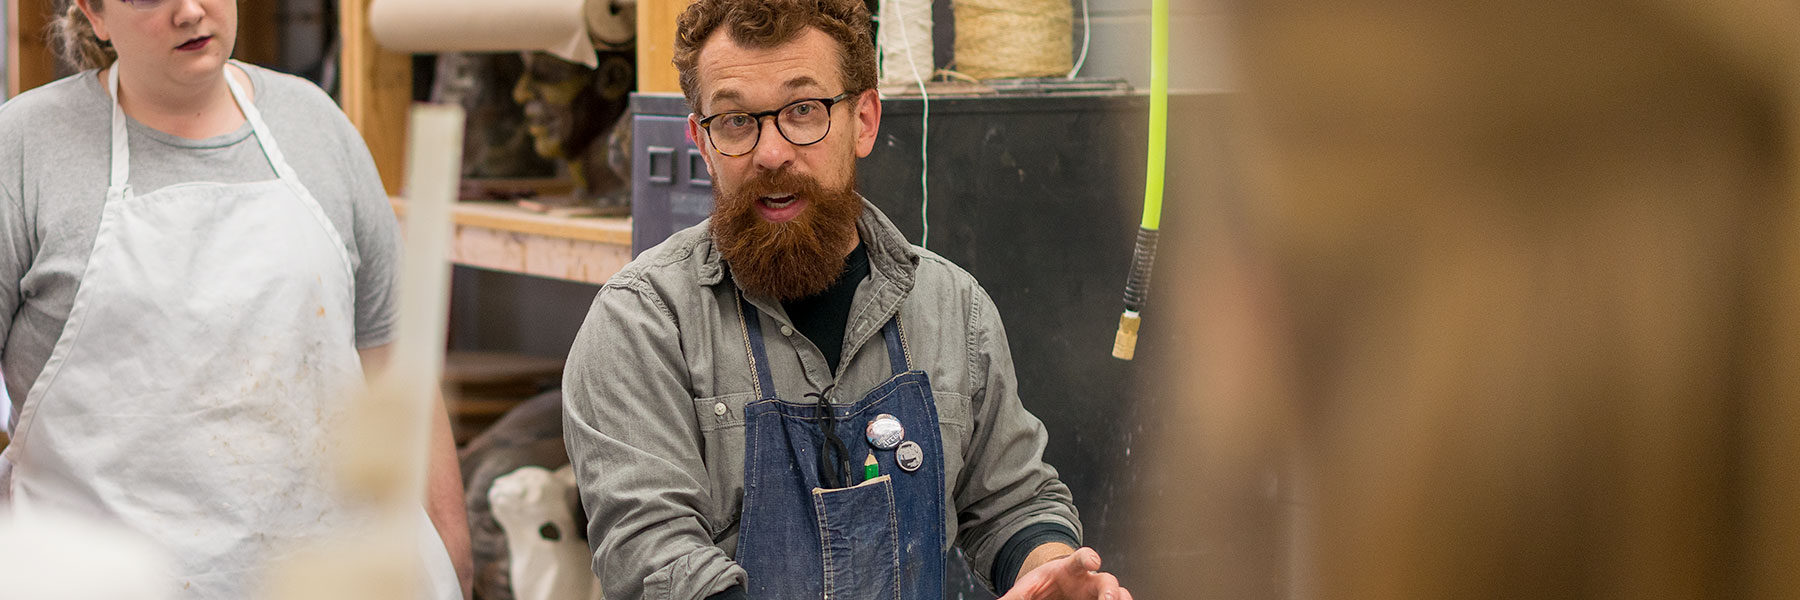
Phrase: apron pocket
(859,537)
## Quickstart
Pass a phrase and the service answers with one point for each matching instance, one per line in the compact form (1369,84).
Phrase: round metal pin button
(884,432)
(910,456)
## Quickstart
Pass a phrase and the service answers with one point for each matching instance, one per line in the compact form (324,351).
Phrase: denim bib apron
(879,537)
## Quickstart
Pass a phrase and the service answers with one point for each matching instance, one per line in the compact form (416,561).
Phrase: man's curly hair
(769,23)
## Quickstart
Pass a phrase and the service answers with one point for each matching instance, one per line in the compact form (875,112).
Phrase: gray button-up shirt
(657,380)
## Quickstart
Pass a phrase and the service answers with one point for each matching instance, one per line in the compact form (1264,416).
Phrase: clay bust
(496,144)
(577,115)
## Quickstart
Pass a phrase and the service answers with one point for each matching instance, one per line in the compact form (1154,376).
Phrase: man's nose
(773,151)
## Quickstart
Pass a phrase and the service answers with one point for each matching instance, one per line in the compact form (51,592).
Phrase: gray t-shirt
(55,148)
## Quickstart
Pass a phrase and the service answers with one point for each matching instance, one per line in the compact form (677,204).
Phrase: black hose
(1137,284)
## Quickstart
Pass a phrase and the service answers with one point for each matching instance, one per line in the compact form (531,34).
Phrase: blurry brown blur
(1512,300)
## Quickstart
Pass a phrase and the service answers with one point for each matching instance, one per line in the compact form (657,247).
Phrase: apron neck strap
(271,150)
(750,322)
(121,147)
(899,356)
(121,150)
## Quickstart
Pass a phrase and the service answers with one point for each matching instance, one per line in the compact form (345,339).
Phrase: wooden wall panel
(29,61)
(377,91)
(259,33)
(656,45)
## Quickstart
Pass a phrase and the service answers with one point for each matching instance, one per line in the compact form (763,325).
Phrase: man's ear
(868,121)
(698,137)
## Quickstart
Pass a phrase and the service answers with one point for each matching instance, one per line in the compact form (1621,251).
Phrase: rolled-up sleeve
(636,449)
(1006,485)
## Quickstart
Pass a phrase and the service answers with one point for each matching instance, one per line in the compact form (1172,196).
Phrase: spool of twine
(905,40)
(1014,38)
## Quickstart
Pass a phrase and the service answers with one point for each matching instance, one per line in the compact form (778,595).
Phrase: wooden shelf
(482,386)
(502,237)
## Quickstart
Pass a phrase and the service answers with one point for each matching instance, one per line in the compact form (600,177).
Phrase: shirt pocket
(721,420)
(956,425)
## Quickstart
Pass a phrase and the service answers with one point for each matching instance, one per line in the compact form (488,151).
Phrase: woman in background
(199,262)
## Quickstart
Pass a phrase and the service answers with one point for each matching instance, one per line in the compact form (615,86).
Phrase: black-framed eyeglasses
(802,123)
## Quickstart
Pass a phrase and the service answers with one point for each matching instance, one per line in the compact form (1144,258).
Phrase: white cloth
(207,359)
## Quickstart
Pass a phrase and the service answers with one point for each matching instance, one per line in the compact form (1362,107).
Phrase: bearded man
(789,400)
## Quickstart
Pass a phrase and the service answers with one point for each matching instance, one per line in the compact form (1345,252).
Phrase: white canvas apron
(209,354)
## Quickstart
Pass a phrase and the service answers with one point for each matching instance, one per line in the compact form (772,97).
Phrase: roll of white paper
(555,26)
(612,24)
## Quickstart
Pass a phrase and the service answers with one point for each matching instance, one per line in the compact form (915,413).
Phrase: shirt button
(719,409)
(785,330)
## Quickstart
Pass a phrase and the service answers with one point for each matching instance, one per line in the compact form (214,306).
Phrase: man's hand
(1068,577)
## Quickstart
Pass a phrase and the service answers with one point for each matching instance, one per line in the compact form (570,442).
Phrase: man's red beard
(793,259)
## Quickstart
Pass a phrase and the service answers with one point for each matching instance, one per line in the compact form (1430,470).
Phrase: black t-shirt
(822,317)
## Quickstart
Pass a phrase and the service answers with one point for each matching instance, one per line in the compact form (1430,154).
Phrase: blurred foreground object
(383,455)
(1514,294)
(53,557)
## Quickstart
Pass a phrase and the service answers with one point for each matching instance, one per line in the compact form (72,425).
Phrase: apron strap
(260,129)
(751,322)
(899,357)
(121,149)
(121,146)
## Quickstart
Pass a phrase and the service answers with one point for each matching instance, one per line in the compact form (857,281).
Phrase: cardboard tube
(555,26)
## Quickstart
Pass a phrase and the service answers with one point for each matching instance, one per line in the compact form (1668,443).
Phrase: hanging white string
(920,11)
(1087,30)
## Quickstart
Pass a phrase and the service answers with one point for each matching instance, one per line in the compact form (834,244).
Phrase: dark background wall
(1039,198)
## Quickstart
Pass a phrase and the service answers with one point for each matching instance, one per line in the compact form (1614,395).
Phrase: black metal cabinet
(670,188)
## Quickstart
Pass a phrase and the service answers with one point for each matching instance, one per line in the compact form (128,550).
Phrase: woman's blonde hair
(76,43)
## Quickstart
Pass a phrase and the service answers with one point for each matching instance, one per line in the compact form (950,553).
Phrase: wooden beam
(258,33)
(656,45)
(29,59)
(557,258)
(377,89)
(12,49)
(502,216)
(494,215)
(501,237)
